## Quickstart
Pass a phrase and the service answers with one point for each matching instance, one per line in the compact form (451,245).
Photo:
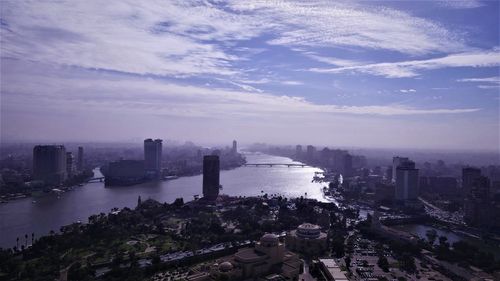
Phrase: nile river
(50,212)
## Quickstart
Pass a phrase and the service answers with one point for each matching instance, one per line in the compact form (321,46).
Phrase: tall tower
(406,181)
(152,157)
(469,177)
(298,151)
(49,164)
(396,161)
(79,163)
(211,171)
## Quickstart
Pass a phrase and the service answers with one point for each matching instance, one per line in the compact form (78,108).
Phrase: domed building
(307,239)
(268,257)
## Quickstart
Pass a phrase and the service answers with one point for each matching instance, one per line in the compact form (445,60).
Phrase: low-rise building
(307,239)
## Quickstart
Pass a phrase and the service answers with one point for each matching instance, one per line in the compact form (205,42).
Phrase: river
(20,217)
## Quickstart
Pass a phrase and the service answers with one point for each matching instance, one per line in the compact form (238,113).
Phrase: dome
(270,239)
(226,266)
(308,230)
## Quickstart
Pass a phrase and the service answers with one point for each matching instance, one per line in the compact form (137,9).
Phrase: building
(406,181)
(152,157)
(331,270)
(79,162)
(307,239)
(268,259)
(469,176)
(125,172)
(211,171)
(347,165)
(49,164)
(396,161)
(70,163)
(298,151)
(310,153)
(234,150)
(444,186)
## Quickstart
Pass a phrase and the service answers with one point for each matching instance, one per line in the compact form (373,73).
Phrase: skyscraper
(152,157)
(311,153)
(406,181)
(49,163)
(211,177)
(70,162)
(347,165)
(396,161)
(79,163)
(235,147)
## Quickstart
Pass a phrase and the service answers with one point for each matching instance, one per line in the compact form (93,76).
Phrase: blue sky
(422,74)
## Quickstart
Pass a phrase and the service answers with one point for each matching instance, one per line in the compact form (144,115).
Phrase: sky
(397,74)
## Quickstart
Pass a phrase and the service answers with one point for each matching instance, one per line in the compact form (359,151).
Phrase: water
(21,217)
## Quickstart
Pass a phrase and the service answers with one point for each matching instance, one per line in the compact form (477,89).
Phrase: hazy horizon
(384,74)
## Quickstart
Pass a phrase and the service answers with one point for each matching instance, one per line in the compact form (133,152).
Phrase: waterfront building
(79,162)
(268,257)
(152,157)
(396,161)
(70,160)
(211,174)
(406,181)
(49,164)
(307,239)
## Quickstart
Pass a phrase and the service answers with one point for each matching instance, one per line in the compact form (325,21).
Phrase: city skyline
(349,74)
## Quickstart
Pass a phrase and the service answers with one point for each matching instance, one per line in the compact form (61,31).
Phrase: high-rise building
(406,181)
(469,177)
(152,157)
(347,165)
(298,151)
(477,204)
(70,162)
(49,164)
(211,171)
(311,153)
(396,161)
(79,163)
(234,150)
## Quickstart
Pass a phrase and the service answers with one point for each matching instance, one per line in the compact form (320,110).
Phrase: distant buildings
(211,171)
(79,162)
(152,157)
(307,239)
(310,153)
(406,181)
(469,176)
(49,164)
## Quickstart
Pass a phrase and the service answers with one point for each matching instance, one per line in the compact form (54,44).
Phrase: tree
(348,262)
(383,263)
(431,236)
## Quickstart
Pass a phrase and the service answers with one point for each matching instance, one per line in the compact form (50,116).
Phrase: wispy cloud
(407,91)
(490,58)
(460,4)
(490,82)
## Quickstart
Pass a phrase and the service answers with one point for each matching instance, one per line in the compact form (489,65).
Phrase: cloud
(489,58)
(406,91)
(327,24)
(48,88)
(460,4)
(492,82)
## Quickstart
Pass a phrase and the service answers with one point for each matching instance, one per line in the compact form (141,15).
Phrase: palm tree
(17,242)
(32,238)
(26,239)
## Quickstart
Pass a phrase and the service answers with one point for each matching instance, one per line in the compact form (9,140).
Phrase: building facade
(152,157)
(307,239)
(406,182)
(211,177)
(49,164)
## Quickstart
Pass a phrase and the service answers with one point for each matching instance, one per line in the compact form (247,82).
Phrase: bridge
(98,179)
(274,164)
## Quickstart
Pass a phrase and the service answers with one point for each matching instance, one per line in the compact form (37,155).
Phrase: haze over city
(397,74)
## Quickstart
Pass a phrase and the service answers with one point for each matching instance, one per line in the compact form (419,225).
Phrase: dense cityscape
(249,140)
(403,220)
